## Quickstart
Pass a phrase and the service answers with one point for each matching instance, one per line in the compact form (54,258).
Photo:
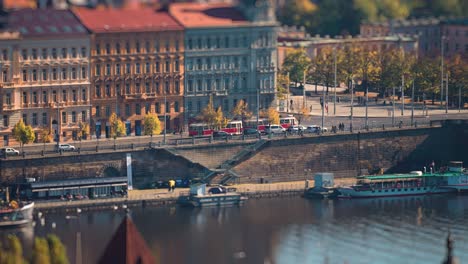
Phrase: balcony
(9,107)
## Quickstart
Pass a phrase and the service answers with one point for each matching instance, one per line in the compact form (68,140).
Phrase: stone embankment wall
(288,159)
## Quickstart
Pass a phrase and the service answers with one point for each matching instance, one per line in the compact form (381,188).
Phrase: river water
(283,230)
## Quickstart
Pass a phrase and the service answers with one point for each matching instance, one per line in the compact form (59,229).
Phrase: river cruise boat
(215,196)
(448,180)
(16,214)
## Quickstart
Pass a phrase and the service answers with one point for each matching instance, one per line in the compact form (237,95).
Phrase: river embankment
(163,197)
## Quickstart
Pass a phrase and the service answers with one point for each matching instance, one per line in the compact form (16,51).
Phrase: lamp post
(412,104)
(58,126)
(323,108)
(459,99)
(393,107)
(287,100)
(165,118)
(303,89)
(258,105)
(442,70)
(402,94)
(352,103)
(446,92)
(334,97)
(367,99)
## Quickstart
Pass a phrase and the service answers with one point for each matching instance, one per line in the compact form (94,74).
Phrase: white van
(275,129)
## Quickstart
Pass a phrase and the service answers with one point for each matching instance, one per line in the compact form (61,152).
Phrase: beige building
(45,73)
(137,66)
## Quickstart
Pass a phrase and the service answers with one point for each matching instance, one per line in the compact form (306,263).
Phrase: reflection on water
(24,233)
(286,230)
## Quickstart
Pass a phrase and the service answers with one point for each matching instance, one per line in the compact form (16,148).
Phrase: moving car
(64,147)
(10,152)
(275,129)
(296,129)
(315,129)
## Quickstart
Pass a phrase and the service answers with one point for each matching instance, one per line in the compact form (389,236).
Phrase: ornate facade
(230,55)
(137,65)
(45,73)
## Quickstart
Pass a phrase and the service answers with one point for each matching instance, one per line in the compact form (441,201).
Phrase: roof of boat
(408,176)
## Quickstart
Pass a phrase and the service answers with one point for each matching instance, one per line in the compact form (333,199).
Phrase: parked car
(296,129)
(251,131)
(275,129)
(10,152)
(315,129)
(64,147)
(221,135)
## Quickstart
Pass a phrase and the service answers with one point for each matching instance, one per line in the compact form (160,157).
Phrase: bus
(201,129)
(262,124)
(288,121)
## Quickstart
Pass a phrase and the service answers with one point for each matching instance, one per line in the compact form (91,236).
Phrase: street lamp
(446,92)
(412,104)
(334,98)
(352,103)
(303,89)
(442,70)
(58,126)
(323,108)
(287,102)
(402,94)
(393,107)
(367,100)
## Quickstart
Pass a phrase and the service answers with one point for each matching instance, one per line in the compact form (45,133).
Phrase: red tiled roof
(126,20)
(207,14)
(45,22)
(127,246)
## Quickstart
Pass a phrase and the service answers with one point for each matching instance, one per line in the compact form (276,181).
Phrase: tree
(296,63)
(117,127)
(41,253)
(152,124)
(271,114)
(23,134)
(220,120)
(324,67)
(46,136)
(208,114)
(303,113)
(241,110)
(298,12)
(282,84)
(83,131)
(347,64)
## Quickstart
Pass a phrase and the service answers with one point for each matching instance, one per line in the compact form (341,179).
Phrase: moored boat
(216,196)
(450,179)
(16,214)
(323,187)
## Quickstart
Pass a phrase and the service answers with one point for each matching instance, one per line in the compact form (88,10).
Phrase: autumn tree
(282,84)
(271,114)
(83,130)
(152,125)
(220,120)
(324,67)
(296,63)
(23,133)
(117,127)
(241,110)
(298,12)
(46,136)
(208,114)
(347,64)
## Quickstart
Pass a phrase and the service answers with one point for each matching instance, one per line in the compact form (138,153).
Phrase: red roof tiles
(45,22)
(126,20)
(207,14)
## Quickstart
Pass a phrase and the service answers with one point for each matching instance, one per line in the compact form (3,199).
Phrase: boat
(323,187)
(215,196)
(16,214)
(451,179)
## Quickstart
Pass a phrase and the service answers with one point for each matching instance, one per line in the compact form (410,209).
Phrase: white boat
(215,196)
(449,180)
(16,214)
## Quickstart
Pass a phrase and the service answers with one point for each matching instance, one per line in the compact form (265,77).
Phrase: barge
(215,196)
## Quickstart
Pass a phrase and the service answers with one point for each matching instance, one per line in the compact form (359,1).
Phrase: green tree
(282,83)
(117,127)
(427,75)
(241,110)
(324,66)
(58,252)
(41,252)
(298,12)
(296,63)
(271,114)
(347,64)
(152,125)
(23,134)
(46,136)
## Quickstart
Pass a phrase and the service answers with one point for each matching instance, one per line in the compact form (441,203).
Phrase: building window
(108,51)
(8,99)
(177,87)
(166,87)
(117,69)
(64,117)
(44,97)
(25,98)
(64,53)
(54,96)
(137,109)
(83,116)
(24,54)
(73,52)
(54,53)
(108,93)
(168,107)
(98,90)
(83,73)
(157,66)
(34,75)
(167,66)
(73,73)
(147,108)
(137,68)
(208,84)
(64,74)
(190,44)
(64,95)
(98,69)
(176,107)
(176,45)
(199,85)
(226,42)
(108,112)
(127,68)
(98,49)
(108,69)
(83,52)
(199,43)
(127,110)
(44,54)
(208,43)
(189,107)
(34,54)
(25,75)
(147,68)
(127,48)
(176,68)
(98,111)
(5,76)
(167,46)
(208,63)
(83,95)
(147,88)
(137,47)
(54,74)
(34,99)
(73,116)
(190,85)
(25,119)
(117,89)
(74,95)
(44,119)
(34,119)
(156,87)
(199,64)
(127,88)
(157,108)
(156,45)
(137,88)
(218,42)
